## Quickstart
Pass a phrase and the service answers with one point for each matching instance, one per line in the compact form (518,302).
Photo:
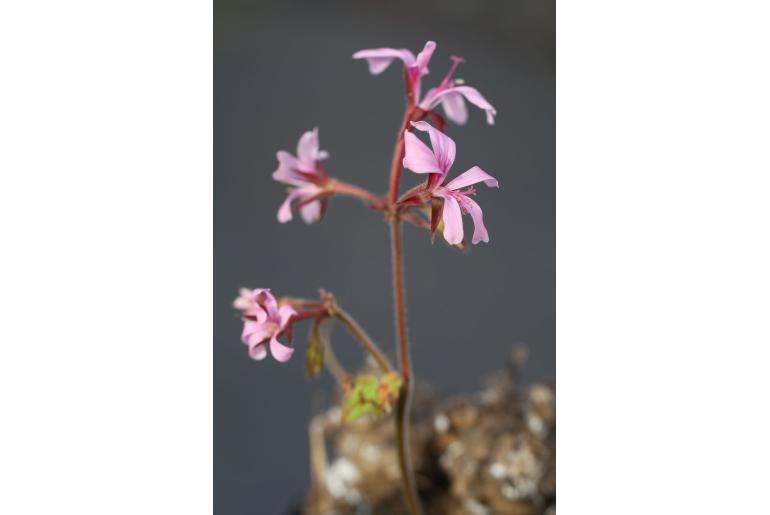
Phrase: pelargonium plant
(436,204)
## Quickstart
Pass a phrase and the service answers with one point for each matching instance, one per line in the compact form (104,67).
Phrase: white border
(105,202)
(662,264)
(106,276)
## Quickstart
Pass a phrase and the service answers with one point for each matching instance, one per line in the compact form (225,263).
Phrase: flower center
(461,196)
(271,327)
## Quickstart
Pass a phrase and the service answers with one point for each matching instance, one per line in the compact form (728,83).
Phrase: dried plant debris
(492,453)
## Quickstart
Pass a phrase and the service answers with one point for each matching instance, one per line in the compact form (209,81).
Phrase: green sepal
(316,347)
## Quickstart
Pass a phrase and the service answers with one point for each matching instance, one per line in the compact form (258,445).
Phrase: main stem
(409,484)
(403,403)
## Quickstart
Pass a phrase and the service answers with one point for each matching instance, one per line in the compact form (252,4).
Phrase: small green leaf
(371,396)
(317,342)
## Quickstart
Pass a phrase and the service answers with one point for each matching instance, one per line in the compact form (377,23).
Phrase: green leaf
(371,396)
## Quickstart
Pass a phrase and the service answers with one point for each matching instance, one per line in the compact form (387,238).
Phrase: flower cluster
(309,185)
(263,321)
(450,93)
(436,204)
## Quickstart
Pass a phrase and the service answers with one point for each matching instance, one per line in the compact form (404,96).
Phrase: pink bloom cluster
(306,177)
(264,321)
(450,93)
(309,186)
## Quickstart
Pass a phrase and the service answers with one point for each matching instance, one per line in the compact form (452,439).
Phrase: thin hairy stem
(404,398)
(360,335)
(403,405)
(398,157)
(343,188)
(408,483)
(399,301)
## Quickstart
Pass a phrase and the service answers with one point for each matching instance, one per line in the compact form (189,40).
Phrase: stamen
(455,62)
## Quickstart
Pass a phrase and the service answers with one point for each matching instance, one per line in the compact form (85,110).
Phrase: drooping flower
(416,67)
(451,93)
(306,178)
(419,158)
(263,321)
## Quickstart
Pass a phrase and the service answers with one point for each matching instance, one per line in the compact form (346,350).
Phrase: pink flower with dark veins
(263,320)
(416,67)
(451,93)
(456,200)
(306,177)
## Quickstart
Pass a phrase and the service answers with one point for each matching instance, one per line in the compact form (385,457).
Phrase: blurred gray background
(281,68)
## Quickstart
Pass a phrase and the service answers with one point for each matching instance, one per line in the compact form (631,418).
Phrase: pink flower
(456,201)
(451,94)
(306,176)
(416,67)
(263,320)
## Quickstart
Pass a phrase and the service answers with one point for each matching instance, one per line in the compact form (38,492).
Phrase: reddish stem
(398,157)
(404,397)
(399,299)
(402,410)
(343,188)
(310,313)
(415,219)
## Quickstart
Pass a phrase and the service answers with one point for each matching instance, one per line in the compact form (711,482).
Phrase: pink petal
(479,230)
(258,352)
(284,212)
(265,298)
(308,149)
(287,169)
(472,95)
(260,295)
(280,351)
(453,221)
(244,300)
(253,332)
(285,313)
(308,190)
(472,176)
(380,58)
(424,57)
(311,212)
(454,108)
(443,146)
(418,157)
